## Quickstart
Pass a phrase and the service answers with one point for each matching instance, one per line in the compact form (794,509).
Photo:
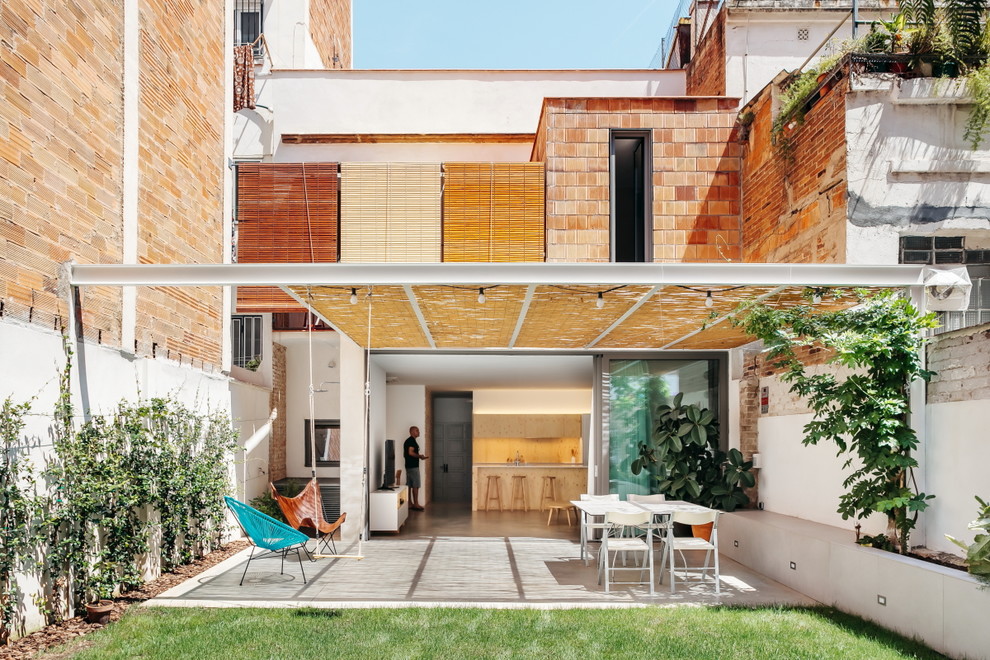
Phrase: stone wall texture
(706,70)
(277,400)
(794,197)
(696,163)
(330,29)
(961,362)
(60,158)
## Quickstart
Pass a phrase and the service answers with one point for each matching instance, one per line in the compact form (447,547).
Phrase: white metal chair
(679,545)
(615,540)
(659,526)
(646,499)
(587,525)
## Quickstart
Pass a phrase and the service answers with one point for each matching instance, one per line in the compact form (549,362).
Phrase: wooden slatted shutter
(390,212)
(286,213)
(494,212)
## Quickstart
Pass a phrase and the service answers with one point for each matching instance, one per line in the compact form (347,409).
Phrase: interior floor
(457,519)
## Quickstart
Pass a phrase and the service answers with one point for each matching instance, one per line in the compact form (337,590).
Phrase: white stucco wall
(523,401)
(407,407)
(957,457)
(910,170)
(353,449)
(326,404)
(287,30)
(761,44)
(416,102)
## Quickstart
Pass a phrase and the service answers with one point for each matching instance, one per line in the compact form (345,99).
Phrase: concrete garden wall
(943,607)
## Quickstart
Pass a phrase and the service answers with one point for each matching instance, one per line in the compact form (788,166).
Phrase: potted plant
(686,462)
(98,592)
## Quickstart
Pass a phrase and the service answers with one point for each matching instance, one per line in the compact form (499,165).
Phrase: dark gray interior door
(451,461)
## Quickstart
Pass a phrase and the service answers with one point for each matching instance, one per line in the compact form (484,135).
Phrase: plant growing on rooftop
(866,412)
(687,461)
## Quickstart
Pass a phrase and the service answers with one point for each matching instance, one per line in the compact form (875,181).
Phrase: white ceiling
(471,372)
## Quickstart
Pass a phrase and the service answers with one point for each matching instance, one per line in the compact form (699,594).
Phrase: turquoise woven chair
(265,532)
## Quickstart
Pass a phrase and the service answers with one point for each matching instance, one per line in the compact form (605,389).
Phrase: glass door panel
(636,389)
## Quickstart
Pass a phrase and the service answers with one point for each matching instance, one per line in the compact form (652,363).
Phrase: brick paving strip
(72,629)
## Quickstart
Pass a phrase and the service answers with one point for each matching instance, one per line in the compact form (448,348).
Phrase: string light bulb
(481,296)
(353,296)
(709,301)
(601,301)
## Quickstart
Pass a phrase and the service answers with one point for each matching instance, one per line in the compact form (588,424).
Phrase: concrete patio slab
(457,571)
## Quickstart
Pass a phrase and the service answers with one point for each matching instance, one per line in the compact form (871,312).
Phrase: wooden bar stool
(519,493)
(557,507)
(495,481)
(548,492)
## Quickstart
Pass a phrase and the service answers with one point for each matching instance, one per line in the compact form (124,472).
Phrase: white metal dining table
(598,508)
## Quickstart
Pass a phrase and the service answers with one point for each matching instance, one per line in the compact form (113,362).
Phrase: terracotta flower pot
(702,531)
(99,612)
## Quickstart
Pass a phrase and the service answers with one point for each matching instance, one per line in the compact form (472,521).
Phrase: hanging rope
(312,405)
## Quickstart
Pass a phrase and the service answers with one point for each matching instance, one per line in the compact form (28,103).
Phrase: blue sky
(508,34)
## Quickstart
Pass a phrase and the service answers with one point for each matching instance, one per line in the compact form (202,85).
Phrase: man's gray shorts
(412,478)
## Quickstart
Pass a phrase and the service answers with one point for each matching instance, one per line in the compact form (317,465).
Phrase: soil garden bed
(66,631)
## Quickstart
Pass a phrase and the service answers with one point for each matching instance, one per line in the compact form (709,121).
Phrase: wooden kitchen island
(571,481)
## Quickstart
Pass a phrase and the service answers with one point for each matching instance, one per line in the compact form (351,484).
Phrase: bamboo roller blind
(286,213)
(390,212)
(493,212)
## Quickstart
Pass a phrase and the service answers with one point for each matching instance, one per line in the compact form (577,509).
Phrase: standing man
(411,451)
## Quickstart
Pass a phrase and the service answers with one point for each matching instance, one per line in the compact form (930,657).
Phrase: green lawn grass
(683,632)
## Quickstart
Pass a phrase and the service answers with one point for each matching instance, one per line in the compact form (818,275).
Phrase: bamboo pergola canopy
(546,317)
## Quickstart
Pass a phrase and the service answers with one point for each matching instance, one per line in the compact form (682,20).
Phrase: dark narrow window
(247,333)
(630,164)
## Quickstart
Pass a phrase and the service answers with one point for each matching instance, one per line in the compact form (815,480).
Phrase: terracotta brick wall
(277,400)
(706,70)
(60,158)
(181,174)
(794,208)
(330,29)
(696,161)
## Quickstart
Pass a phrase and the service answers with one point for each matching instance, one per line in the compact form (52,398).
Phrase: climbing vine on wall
(155,470)
(16,532)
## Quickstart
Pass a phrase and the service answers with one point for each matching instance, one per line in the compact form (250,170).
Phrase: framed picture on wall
(327,443)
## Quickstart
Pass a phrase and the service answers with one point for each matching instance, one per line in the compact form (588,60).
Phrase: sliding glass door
(635,388)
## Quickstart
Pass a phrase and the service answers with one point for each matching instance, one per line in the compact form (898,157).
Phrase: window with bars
(953,250)
(248,16)
(247,333)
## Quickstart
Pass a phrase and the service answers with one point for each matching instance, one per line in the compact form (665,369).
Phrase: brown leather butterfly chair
(301,513)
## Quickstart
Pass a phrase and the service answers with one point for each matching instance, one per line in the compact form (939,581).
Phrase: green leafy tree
(865,413)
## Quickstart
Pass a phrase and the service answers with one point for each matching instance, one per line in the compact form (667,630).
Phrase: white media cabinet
(388,509)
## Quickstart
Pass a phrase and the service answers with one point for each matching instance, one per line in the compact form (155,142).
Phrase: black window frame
(307,453)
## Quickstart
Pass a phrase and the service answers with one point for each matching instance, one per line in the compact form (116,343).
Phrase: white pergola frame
(487,274)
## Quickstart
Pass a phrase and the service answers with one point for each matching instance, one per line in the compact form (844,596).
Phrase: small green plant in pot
(684,456)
